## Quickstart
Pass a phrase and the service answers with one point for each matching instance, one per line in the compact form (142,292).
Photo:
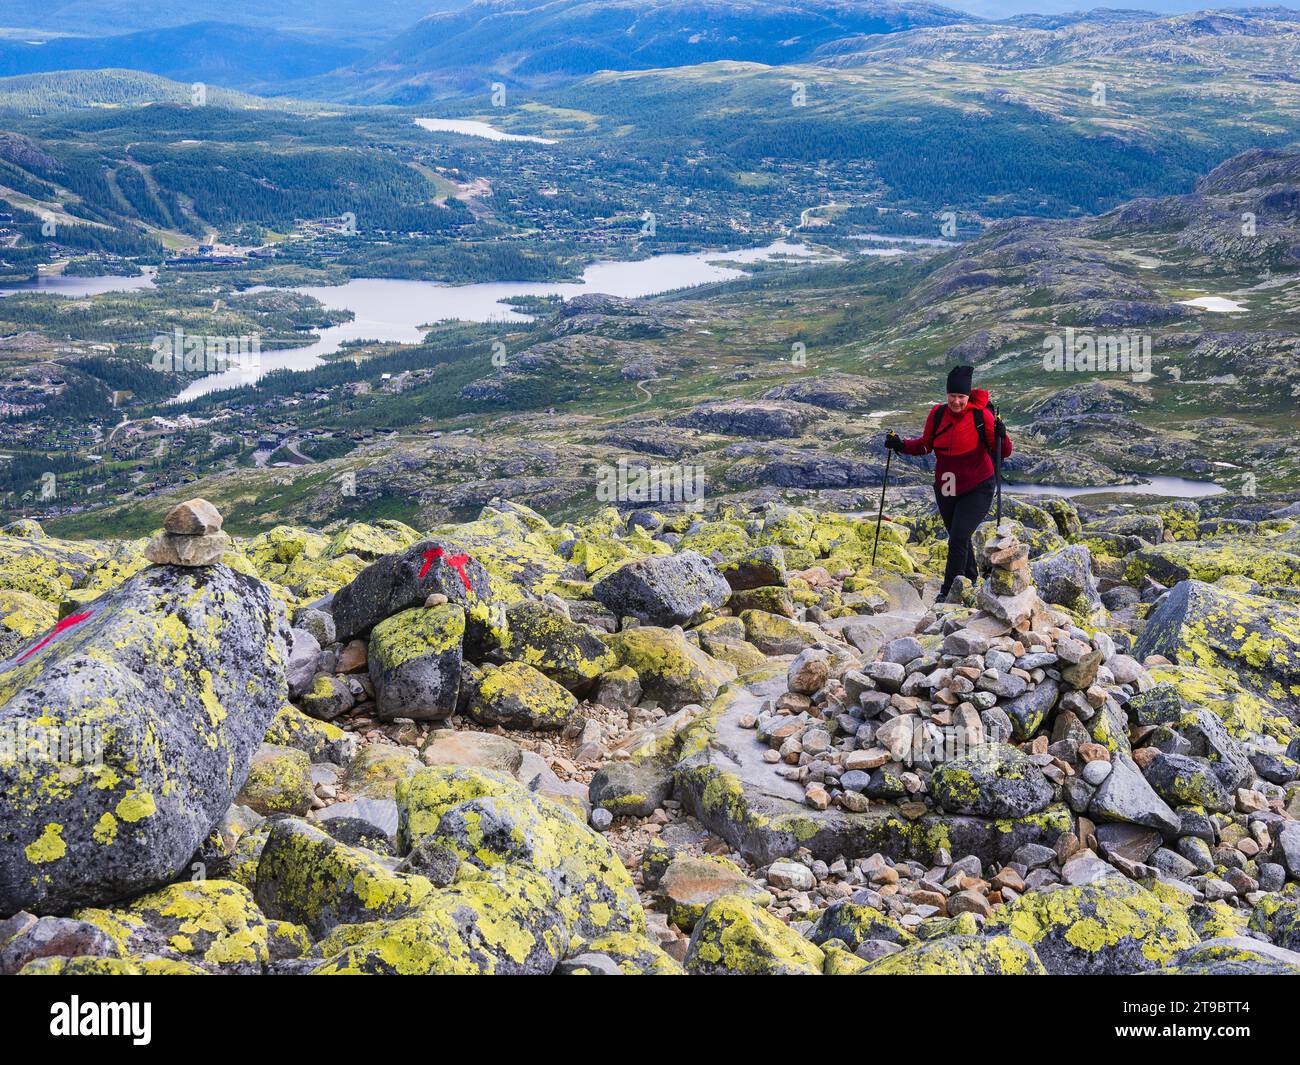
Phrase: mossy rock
(1109,927)
(672,670)
(493,822)
(1278,917)
(516,695)
(853,924)
(1210,560)
(23,619)
(370,542)
(278,782)
(961,956)
(995,781)
(414,661)
(776,635)
(633,955)
(1243,713)
(1253,640)
(690,884)
(568,653)
(319,740)
(307,877)
(774,599)
(212,924)
(377,768)
(736,937)
(505,922)
(87,966)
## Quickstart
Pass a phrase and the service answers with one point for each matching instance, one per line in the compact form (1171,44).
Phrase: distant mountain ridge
(239,57)
(537,42)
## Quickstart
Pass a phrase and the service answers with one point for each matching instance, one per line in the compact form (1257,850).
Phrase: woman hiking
(963,434)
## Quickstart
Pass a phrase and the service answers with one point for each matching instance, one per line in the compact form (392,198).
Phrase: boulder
(736,937)
(310,878)
(406,579)
(1253,639)
(631,789)
(1105,927)
(142,715)
(672,670)
(996,781)
(493,823)
(1126,796)
(414,659)
(545,639)
(1065,578)
(663,589)
(959,955)
(516,695)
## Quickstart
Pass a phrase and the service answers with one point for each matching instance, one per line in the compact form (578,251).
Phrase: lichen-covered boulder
(621,952)
(776,635)
(854,923)
(212,924)
(414,660)
(1278,917)
(565,651)
(94,966)
(516,695)
(663,589)
(995,781)
(24,938)
(632,788)
(319,740)
(279,781)
(501,922)
(1108,927)
(690,884)
(1253,639)
(165,687)
(1184,781)
(44,566)
(1208,560)
(960,956)
(672,670)
(760,567)
(406,579)
(736,937)
(23,617)
(1235,956)
(493,822)
(1065,577)
(310,878)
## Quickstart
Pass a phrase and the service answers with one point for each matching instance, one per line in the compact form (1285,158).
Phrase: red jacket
(957,448)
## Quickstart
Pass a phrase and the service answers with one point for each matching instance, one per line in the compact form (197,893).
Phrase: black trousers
(962,515)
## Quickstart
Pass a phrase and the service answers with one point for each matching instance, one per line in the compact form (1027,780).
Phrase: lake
(475,129)
(77,287)
(396,311)
(1171,487)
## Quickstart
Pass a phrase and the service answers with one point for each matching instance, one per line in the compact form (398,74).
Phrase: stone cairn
(191,536)
(864,724)
(1008,594)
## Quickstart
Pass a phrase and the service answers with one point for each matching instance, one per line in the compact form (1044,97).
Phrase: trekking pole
(997,468)
(881,513)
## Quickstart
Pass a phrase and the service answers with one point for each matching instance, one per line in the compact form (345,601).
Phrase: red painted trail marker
(456,562)
(66,623)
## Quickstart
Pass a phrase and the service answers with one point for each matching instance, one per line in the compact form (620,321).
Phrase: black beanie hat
(959,379)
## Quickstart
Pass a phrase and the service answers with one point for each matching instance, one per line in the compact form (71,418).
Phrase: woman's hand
(893,441)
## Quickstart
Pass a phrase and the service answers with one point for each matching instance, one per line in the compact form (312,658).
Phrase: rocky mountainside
(737,741)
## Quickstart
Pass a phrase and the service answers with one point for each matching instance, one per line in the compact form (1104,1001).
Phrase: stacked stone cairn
(191,536)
